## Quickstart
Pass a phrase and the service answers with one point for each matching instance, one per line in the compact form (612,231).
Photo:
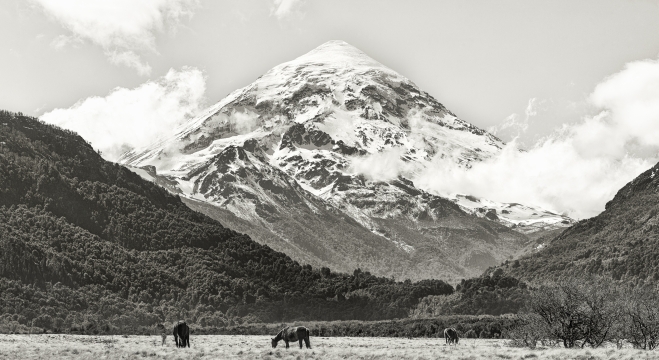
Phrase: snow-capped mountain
(315,159)
(523,218)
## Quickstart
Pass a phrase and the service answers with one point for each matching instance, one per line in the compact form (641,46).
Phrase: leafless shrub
(574,313)
(529,332)
(641,319)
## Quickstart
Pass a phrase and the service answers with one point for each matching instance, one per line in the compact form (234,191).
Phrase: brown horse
(292,334)
(451,336)
(181,334)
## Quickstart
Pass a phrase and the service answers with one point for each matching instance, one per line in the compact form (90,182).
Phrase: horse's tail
(307,341)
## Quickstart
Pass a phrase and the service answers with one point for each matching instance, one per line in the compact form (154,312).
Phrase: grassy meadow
(258,347)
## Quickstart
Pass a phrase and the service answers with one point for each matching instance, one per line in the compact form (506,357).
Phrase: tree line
(493,293)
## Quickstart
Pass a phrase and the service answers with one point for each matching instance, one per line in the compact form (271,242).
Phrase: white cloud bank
(120,27)
(130,118)
(580,167)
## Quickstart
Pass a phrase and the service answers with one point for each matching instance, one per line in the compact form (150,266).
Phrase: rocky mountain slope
(523,218)
(620,243)
(89,246)
(315,158)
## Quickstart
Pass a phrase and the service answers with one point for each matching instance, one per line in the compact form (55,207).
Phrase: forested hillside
(493,293)
(88,244)
(621,243)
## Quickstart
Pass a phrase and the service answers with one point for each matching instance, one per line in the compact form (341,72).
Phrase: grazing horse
(292,333)
(181,334)
(451,336)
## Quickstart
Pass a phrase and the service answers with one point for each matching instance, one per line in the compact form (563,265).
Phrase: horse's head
(274,342)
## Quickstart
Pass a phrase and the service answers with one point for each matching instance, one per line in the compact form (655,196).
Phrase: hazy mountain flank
(315,158)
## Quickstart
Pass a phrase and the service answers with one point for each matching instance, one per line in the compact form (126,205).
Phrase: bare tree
(560,307)
(602,310)
(641,320)
(530,330)
(576,313)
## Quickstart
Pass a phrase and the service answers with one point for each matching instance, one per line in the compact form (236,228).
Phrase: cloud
(237,122)
(540,119)
(385,165)
(243,122)
(61,41)
(283,8)
(582,165)
(131,118)
(130,59)
(119,27)
(632,97)
(553,175)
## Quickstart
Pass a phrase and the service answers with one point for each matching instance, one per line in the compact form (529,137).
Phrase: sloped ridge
(620,243)
(647,181)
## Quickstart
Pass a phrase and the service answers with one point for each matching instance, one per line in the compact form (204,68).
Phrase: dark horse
(181,334)
(293,333)
(451,336)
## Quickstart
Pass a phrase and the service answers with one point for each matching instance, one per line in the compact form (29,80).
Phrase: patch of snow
(513,214)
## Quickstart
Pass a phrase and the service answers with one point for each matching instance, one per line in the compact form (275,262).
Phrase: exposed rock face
(277,159)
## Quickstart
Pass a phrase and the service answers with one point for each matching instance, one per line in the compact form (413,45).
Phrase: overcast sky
(484,60)
(576,81)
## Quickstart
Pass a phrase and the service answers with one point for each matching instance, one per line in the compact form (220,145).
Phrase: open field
(258,347)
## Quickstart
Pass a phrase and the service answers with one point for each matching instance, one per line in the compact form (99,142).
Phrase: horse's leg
(307,342)
(286,341)
(300,341)
(188,340)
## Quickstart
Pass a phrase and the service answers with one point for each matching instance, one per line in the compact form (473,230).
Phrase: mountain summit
(338,52)
(315,158)
(352,97)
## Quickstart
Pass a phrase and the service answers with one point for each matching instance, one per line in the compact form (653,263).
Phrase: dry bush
(641,319)
(530,330)
(574,313)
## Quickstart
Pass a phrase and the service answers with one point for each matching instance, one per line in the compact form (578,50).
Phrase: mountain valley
(317,158)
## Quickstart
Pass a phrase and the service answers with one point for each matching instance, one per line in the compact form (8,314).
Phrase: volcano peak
(337,52)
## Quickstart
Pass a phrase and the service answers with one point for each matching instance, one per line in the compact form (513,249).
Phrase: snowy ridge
(523,218)
(291,139)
